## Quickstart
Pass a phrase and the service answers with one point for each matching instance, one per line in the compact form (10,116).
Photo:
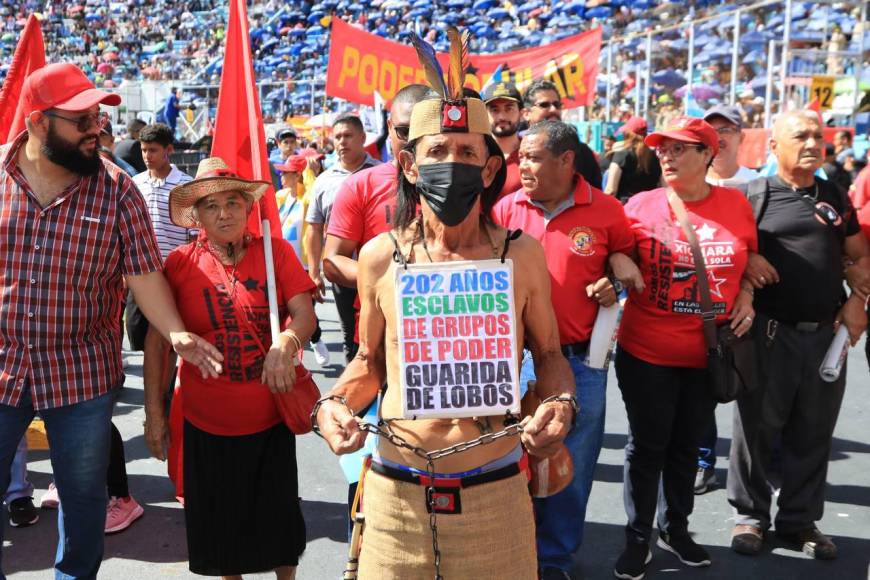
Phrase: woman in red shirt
(661,363)
(240,484)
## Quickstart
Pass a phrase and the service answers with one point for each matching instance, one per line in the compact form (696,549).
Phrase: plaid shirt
(61,286)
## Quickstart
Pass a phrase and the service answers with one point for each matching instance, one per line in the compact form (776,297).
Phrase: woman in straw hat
(239,465)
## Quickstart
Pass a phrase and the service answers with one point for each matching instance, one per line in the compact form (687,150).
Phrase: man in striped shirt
(154,184)
(72,228)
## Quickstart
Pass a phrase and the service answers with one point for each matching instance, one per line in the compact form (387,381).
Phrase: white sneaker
(321,353)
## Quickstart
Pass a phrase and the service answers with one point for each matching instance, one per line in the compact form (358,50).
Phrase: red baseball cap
(62,86)
(688,130)
(311,152)
(294,164)
(636,125)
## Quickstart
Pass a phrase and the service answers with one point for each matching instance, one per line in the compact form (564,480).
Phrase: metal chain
(429,457)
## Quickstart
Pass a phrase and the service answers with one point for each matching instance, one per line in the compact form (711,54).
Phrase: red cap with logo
(687,130)
(294,164)
(62,86)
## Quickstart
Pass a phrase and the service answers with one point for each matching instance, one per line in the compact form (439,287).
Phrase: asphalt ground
(155,546)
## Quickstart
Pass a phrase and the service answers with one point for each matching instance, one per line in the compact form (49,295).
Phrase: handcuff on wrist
(570,400)
(313,418)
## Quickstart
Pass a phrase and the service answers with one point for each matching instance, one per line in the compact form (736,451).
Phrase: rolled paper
(835,358)
(604,334)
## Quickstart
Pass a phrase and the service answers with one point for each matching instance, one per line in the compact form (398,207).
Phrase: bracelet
(338,398)
(293,338)
(750,290)
(567,399)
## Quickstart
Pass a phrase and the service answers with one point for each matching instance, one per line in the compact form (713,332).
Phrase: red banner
(361,63)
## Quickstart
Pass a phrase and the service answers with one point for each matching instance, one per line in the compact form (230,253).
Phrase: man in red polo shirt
(582,230)
(366,201)
(504,104)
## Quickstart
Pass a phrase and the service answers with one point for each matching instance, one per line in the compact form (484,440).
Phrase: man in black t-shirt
(806,227)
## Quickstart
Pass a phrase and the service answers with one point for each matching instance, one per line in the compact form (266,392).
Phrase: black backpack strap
(757,195)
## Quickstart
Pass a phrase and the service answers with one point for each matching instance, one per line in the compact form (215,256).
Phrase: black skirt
(241,502)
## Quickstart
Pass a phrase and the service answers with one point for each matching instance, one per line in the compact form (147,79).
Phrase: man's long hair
(407,198)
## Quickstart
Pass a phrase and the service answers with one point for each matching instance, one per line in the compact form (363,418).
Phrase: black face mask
(450,189)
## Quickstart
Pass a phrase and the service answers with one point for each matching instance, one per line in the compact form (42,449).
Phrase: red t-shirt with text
(235,403)
(662,325)
(576,243)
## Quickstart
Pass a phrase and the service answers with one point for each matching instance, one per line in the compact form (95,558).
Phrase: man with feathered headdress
(481,523)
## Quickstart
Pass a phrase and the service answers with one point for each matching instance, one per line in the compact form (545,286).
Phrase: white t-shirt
(744,175)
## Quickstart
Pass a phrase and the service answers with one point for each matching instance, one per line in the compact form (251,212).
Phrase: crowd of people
(116,41)
(496,176)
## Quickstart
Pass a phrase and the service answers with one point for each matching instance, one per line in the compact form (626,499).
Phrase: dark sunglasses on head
(83,122)
(402,131)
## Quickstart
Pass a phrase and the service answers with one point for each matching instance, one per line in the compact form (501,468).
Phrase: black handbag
(731,359)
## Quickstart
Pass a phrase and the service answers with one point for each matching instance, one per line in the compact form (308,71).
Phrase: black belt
(807,326)
(576,348)
(442,482)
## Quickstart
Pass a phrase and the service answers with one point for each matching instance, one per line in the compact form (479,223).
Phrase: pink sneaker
(121,513)
(50,500)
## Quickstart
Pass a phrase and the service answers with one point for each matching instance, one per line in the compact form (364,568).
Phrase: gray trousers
(794,404)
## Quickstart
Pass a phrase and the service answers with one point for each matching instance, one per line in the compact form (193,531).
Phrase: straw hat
(212,176)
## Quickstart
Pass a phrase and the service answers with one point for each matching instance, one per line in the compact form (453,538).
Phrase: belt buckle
(807,326)
(444,500)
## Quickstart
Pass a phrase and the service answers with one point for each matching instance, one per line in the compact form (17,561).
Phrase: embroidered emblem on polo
(829,212)
(582,241)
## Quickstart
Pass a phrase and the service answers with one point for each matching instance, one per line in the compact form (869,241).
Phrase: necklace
(422,234)
(229,254)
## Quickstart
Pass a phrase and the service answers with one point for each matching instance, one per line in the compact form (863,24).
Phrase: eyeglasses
(676,150)
(402,131)
(728,130)
(83,122)
(549,105)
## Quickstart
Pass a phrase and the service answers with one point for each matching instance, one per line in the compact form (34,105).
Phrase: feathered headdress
(452,112)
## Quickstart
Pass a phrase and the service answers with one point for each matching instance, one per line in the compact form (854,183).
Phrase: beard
(68,155)
(505,130)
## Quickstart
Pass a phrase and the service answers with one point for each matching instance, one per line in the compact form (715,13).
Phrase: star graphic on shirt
(705,232)
(715,283)
(251,284)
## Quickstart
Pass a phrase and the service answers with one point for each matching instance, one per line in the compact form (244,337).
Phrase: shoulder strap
(240,312)
(509,237)
(398,256)
(756,193)
(707,314)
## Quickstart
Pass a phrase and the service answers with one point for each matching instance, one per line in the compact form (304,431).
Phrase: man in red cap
(74,227)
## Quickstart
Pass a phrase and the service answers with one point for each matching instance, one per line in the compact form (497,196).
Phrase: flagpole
(274,323)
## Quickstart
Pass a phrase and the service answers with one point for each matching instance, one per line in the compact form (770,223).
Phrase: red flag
(29,56)
(239,136)
(816,105)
